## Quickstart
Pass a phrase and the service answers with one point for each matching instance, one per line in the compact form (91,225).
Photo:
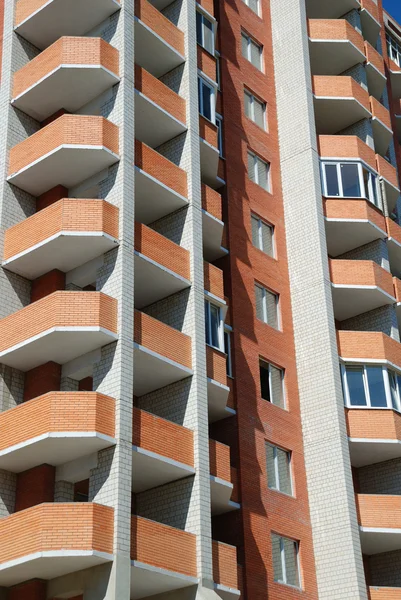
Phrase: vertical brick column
(35,486)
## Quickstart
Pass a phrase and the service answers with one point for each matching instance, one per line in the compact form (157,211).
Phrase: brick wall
(219,457)
(162,250)
(35,486)
(346,146)
(159,93)
(216,365)
(158,23)
(159,167)
(332,29)
(42,379)
(46,284)
(30,590)
(213,277)
(225,565)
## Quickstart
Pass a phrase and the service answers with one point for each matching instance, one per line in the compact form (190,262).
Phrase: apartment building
(200,360)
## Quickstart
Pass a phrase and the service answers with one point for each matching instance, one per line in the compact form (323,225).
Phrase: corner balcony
(222,493)
(394,246)
(375,72)
(70,73)
(359,286)
(225,570)
(339,103)
(384,593)
(209,152)
(352,223)
(381,124)
(157,104)
(55,428)
(63,538)
(374,435)
(370,21)
(346,146)
(160,186)
(390,178)
(159,44)
(163,558)
(379,518)
(161,266)
(62,236)
(163,355)
(334,46)
(371,346)
(59,328)
(162,451)
(395,77)
(213,225)
(42,22)
(327,9)
(65,152)
(214,284)
(217,385)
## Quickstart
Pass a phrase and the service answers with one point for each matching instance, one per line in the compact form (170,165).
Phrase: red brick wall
(35,486)
(51,196)
(47,284)
(42,379)
(29,590)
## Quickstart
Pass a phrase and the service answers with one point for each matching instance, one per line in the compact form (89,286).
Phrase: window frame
(282,371)
(205,17)
(254,98)
(393,49)
(219,125)
(283,565)
(365,194)
(202,81)
(276,470)
(208,326)
(227,349)
(386,382)
(256,157)
(262,222)
(249,41)
(266,291)
(259,11)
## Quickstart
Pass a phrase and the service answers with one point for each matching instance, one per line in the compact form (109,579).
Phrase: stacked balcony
(213,225)
(223,479)
(335,46)
(209,152)
(379,519)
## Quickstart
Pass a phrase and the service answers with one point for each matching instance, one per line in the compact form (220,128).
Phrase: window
(206,97)
(267,306)
(218,79)
(255,109)
(272,383)
(371,386)
(262,235)
(214,326)
(285,560)
(227,350)
(252,51)
(350,180)
(219,123)
(205,32)
(278,469)
(258,170)
(393,49)
(253,5)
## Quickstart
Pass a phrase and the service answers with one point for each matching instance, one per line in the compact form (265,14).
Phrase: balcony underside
(58,344)
(226,593)
(153,371)
(220,494)
(147,580)
(153,53)
(212,237)
(327,9)
(394,253)
(370,451)
(376,81)
(69,86)
(64,251)
(67,165)
(54,448)
(349,301)
(370,27)
(153,125)
(58,18)
(50,564)
(344,235)
(150,470)
(154,282)
(396,83)
(398,123)
(333,57)
(209,158)
(376,541)
(382,136)
(153,199)
(334,114)
(217,396)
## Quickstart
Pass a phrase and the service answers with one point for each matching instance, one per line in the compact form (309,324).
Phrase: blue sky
(394,8)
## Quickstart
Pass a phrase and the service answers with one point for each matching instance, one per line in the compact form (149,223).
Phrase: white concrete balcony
(379,518)
(218,389)
(159,44)
(56,428)
(66,152)
(335,46)
(42,22)
(213,226)
(69,74)
(162,354)
(62,236)
(327,9)
(374,435)
(59,328)
(209,152)
(370,21)
(381,125)
(375,71)
(223,480)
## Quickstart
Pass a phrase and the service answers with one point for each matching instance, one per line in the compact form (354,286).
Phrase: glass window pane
(284,473)
(259,112)
(207,322)
(251,166)
(350,180)
(244,45)
(256,55)
(331,180)
(227,350)
(255,232)
(254,5)
(267,239)
(277,565)
(356,388)
(271,471)
(291,562)
(199,28)
(393,389)
(271,309)
(259,296)
(208,37)
(377,390)
(215,325)
(277,391)
(207,101)
(262,173)
(247,103)
(264,380)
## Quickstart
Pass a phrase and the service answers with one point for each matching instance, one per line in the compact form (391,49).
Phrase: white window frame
(218,66)
(366,194)
(206,17)
(220,326)
(283,565)
(264,306)
(212,87)
(219,125)
(276,470)
(282,371)
(227,349)
(258,11)
(262,222)
(256,173)
(248,56)
(252,98)
(387,387)
(393,49)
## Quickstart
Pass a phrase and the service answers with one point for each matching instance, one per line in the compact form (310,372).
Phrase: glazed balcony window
(350,180)
(255,109)
(254,5)
(219,124)
(214,326)
(286,561)
(205,32)
(207,100)
(258,171)
(278,462)
(227,350)
(262,235)
(368,386)
(393,49)
(267,306)
(252,51)
(272,384)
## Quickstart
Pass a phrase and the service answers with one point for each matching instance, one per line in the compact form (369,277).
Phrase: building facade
(200,359)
